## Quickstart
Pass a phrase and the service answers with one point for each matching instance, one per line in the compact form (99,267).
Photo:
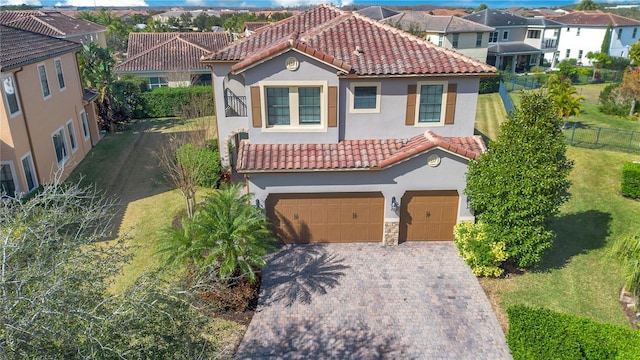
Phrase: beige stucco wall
(31,130)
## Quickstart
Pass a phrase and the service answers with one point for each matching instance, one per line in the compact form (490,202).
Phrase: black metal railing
(234,105)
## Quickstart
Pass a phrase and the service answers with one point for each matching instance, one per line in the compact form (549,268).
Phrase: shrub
(536,69)
(631,180)
(489,85)
(204,161)
(167,102)
(536,333)
(478,251)
(610,103)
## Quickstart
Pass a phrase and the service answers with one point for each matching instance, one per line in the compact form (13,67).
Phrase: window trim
(294,124)
(84,121)
(159,84)
(33,171)
(73,140)
(6,100)
(455,40)
(443,105)
(493,35)
(64,143)
(55,62)
(578,31)
(567,54)
(634,33)
(46,78)
(505,35)
(16,184)
(619,32)
(352,97)
(479,37)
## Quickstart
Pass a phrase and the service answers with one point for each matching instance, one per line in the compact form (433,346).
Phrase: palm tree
(564,96)
(627,249)
(226,234)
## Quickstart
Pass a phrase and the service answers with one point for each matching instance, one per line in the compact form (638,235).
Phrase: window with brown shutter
(332,114)
(410,116)
(256,111)
(450,111)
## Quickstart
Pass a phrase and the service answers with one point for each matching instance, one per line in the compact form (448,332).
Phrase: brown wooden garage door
(428,215)
(330,217)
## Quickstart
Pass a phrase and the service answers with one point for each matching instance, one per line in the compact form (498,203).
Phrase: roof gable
(50,23)
(353,42)
(20,47)
(436,23)
(178,51)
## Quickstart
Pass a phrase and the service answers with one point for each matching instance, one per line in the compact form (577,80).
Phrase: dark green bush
(609,103)
(631,180)
(167,102)
(536,333)
(203,162)
(489,85)
(129,90)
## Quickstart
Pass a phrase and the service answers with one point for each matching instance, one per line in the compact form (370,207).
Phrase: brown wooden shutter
(256,109)
(410,116)
(450,112)
(332,114)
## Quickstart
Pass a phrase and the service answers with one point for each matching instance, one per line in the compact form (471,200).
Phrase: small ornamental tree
(518,185)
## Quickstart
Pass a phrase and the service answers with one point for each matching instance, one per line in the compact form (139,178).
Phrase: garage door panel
(330,217)
(428,215)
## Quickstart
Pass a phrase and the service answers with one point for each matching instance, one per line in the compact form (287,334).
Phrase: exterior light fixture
(394,204)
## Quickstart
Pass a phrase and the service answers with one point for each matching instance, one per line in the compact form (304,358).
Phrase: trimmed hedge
(489,85)
(537,333)
(167,102)
(631,180)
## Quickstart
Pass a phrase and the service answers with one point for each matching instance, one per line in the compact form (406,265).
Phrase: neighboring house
(347,129)
(251,27)
(464,36)
(171,59)
(56,24)
(518,43)
(176,14)
(584,32)
(47,121)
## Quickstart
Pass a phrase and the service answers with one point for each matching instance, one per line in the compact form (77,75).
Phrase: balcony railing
(234,105)
(549,43)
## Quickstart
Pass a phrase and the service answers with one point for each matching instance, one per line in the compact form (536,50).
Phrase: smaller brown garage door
(328,217)
(428,215)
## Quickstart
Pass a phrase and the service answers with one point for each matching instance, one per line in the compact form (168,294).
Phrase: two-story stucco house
(517,43)
(47,121)
(584,32)
(353,130)
(466,37)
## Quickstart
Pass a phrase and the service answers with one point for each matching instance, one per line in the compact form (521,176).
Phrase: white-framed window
(578,32)
(7,179)
(300,106)
(431,103)
(556,32)
(634,33)
(59,73)
(44,83)
(568,53)
(533,60)
(478,39)
(10,91)
(29,172)
(454,40)
(440,40)
(85,125)
(533,34)
(365,97)
(158,81)
(505,35)
(493,37)
(60,146)
(72,136)
(580,55)
(619,33)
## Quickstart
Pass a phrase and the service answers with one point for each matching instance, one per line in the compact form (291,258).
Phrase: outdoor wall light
(258,203)
(394,204)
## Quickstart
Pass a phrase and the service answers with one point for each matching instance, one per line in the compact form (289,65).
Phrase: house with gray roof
(518,43)
(347,129)
(56,24)
(171,59)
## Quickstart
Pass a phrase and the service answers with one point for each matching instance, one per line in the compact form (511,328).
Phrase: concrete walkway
(418,300)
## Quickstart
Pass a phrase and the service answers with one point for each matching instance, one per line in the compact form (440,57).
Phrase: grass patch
(577,276)
(489,115)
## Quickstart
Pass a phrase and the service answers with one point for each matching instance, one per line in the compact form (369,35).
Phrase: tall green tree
(634,53)
(564,96)
(227,236)
(606,41)
(588,5)
(518,185)
(55,301)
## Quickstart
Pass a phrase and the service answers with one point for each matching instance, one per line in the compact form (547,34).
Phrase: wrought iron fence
(602,138)
(235,106)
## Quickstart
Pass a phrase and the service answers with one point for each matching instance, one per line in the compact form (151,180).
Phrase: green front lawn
(577,275)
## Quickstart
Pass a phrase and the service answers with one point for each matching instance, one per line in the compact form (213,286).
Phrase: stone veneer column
(391,232)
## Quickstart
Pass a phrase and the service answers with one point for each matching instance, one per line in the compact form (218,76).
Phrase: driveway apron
(418,300)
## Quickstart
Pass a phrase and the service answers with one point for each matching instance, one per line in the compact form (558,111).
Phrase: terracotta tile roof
(595,18)
(350,41)
(19,47)
(349,154)
(170,51)
(52,23)
(254,25)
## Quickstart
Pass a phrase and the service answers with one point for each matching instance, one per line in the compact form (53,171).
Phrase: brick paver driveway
(418,300)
